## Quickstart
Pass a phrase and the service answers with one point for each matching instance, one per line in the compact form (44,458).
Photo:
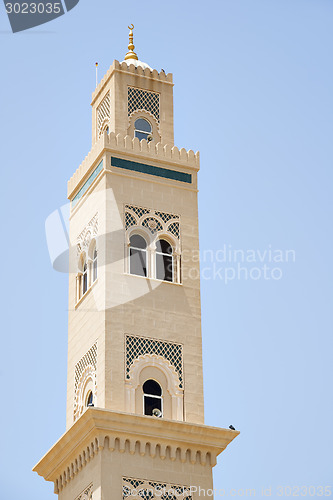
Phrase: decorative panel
(155,221)
(86,494)
(84,369)
(138,346)
(103,113)
(139,99)
(141,488)
(88,233)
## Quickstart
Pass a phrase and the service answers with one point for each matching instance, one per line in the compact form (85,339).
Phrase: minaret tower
(135,409)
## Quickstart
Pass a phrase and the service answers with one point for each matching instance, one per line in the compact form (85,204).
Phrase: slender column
(78,279)
(89,273)
(178,267)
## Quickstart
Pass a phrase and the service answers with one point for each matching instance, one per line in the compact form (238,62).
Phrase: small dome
(137,63)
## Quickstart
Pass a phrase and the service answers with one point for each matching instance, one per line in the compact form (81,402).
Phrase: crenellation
(127,144)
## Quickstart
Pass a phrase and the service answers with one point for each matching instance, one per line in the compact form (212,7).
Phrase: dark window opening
(138,255)
(152,397)
(90,399)
(164,261)
(85,279)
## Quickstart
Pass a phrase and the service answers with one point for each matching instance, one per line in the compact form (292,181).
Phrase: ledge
(125,432)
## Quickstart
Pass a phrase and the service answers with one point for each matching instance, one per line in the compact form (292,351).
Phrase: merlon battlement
(127,144)
(135,70)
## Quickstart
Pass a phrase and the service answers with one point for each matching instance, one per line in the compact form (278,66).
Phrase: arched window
(164,261)
(142,129)
(85,279)
(90,398)
(138,255)
(94,266)
(152,398)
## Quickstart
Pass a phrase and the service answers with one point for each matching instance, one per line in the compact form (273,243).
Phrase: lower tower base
(108,455)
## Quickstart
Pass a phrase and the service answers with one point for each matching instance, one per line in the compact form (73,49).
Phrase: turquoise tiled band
(151,170)
(88,183)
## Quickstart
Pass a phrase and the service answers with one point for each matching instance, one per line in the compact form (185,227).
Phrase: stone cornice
(125,432)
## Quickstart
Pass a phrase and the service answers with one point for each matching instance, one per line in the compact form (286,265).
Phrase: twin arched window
(152,398)
(162,265)
(142,129)
(87,274)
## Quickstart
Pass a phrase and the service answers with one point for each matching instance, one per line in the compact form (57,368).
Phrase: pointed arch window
(152,398)
(164,260)
(142,129)
(138,255)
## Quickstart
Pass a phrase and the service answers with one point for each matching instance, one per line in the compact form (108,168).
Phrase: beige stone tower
(135,409)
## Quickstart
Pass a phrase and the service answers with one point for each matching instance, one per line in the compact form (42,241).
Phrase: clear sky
(253,92)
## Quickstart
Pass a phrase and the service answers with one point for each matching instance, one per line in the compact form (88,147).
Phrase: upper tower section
(133,99)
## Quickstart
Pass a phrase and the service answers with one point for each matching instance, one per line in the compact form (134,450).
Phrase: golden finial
(131,54)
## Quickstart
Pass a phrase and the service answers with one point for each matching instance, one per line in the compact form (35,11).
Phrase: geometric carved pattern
(139,99)
(151,490)
(174,229)
(138,346)
(84,369)
(154,220)
(152,224)
(86,494)
(103,113)
(88,233)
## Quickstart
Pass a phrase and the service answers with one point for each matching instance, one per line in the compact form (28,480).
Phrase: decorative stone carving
(85,379)
(86,494)
(154,220)
(142,488)
(88,233)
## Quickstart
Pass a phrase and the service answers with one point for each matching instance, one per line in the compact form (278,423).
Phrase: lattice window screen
(86,494)
(89,359)
(145,100)
(138,346)
(154,220)
(103,113)
(151,490)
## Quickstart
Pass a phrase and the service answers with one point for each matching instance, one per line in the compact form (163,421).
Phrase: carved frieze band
(142,447)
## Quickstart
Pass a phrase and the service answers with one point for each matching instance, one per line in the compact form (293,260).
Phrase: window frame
(140,251)
(164,254)
(143,132)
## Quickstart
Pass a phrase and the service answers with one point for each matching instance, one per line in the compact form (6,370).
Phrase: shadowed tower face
(135,417)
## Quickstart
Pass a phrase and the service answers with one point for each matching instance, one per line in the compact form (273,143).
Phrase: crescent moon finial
(131,54)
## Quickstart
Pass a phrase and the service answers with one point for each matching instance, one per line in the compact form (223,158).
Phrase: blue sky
(253,92)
